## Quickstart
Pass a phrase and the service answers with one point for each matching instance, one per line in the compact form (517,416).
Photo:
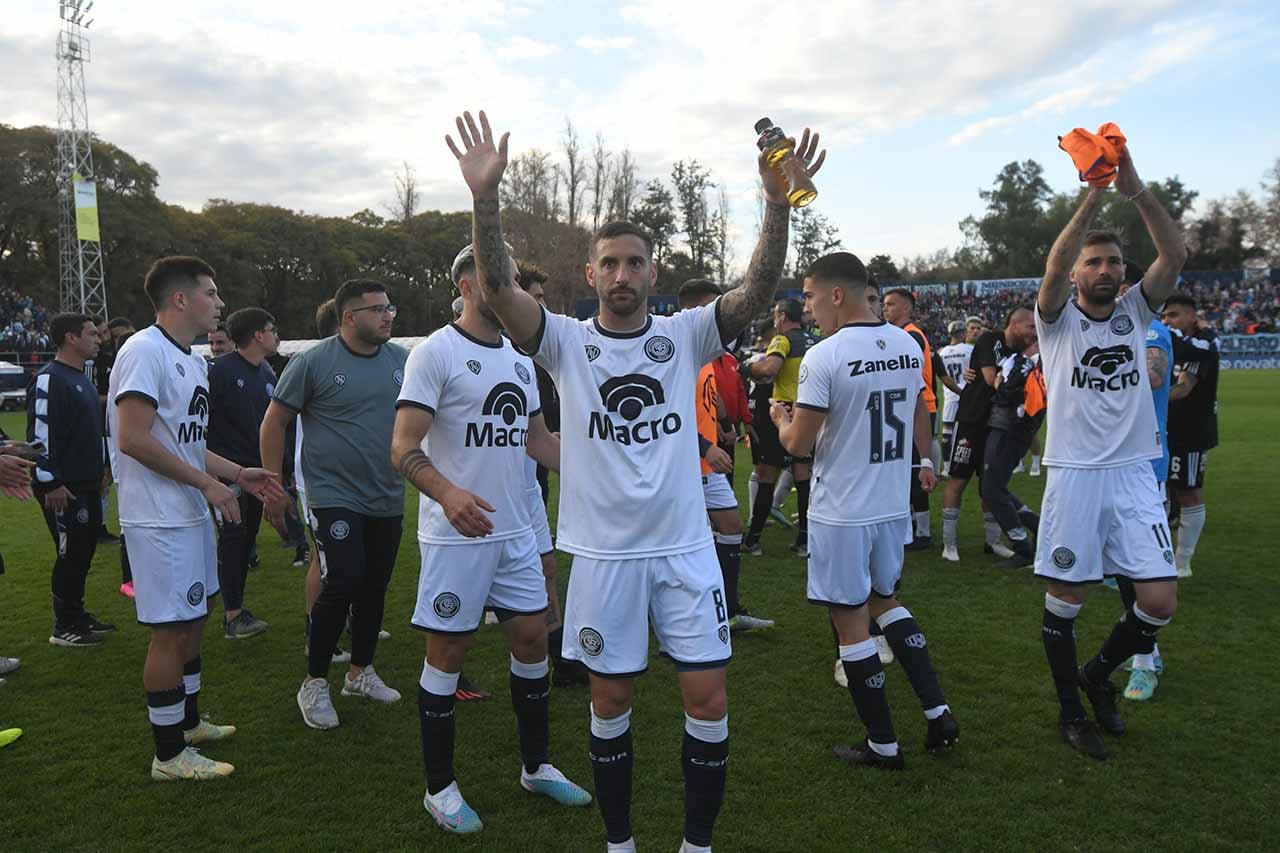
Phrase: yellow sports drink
(780,155)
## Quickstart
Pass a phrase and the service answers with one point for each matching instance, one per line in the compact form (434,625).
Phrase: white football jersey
(865,378)
(955,358)
(1097,391)
(481,396)
(154,367)
(629,477)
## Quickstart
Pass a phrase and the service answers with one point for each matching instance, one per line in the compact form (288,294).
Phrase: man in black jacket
(241,384)
(63,414)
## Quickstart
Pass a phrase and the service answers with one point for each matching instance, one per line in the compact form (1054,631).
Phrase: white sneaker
(628,846)
(1020,469)
(451,812)
(550,782)
(882,646)
(8,665)
(317,707)
(1001,550)
(384,635)
(368,685)
(841,678)
(951,553)
(686,847)
(1035,470)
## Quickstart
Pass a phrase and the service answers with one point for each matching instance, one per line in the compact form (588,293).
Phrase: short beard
(1093,296)
(372,338)
(625,310)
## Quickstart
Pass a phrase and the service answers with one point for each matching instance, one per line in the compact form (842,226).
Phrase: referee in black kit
(241,385)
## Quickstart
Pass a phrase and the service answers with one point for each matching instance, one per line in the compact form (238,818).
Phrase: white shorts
(538,520)
(718,492)
(457,582)
(175,569)
(612,603)
(846,564)
(1098,522)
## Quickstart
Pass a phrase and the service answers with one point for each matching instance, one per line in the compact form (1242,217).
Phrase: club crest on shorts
(474,366)
(804,373)
(339,379)
(522,372)
(659,348)
(398,376)
(593,352)
(1064,558)
(181,370)
(876,681)
(591,641)
(1168,556)
(880,343)
(916,641)
(1121,325)
(195,594)
(339,530)
(446,605)
(723,634)
(82,516)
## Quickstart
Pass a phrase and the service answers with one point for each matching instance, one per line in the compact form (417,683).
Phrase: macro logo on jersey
(1121,325)
(860,367)
(522,372)
(593,352)
(506,401)
(659,348)
(446,605)
(1109,361)
(591,641)
(195,594)
(198,408)
(474,366)
(627,397)
(1063,558)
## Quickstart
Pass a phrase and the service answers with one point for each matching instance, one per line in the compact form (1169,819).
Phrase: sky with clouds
(314,106)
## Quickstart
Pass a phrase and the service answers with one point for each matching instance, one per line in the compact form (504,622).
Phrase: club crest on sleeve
(446,605)
(593,352)
(522,372)
(473,366)
(271,390)
(659,348)
(591,641)
(195,594)
(804,373)
(1121,325)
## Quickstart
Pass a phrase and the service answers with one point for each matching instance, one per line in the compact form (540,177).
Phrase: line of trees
(288,261)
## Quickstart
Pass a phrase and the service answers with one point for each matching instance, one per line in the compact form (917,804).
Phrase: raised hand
(1127,181)
(775,184)
(481,162)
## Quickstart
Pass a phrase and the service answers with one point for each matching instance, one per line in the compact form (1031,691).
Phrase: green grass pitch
(1196,770)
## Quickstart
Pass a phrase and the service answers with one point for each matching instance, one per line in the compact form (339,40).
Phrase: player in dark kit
(643,552)
(1193,421)
(241,384)
(63,414)
(1103,513)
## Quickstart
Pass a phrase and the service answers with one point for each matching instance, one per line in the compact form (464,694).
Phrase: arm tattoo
(1157,366)
(414,463)
(740,306)
(493,263)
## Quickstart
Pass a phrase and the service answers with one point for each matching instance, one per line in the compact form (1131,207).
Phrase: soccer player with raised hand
(859,409)
(1102,512)
(631,505)
(158,414)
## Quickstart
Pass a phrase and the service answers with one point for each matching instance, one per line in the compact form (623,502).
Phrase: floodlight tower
(82,286)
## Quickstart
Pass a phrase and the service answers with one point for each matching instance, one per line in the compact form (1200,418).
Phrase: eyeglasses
(389,310)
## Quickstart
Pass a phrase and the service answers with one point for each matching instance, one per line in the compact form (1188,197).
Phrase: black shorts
(1187,469)
(968,447)
(768,450)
